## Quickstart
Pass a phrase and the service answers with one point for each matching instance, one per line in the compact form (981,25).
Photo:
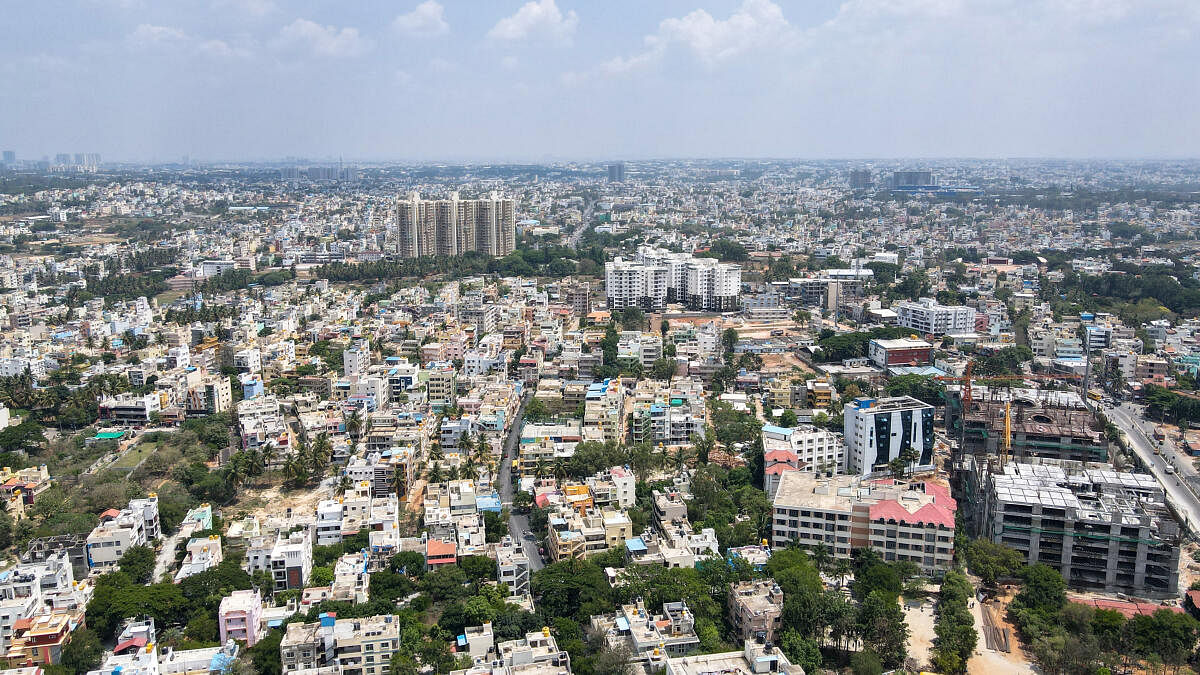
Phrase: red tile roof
(779,456)
(941,494)
(137,642)
(438,548)
(779,468)
(929,514)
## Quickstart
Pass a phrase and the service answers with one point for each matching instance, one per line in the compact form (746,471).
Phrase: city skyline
(231,80)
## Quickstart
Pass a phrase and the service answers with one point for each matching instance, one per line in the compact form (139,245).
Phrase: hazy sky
(514,80)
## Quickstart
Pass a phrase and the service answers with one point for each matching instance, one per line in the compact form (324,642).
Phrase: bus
(1095,394)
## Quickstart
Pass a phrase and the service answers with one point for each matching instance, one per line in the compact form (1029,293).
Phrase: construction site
(1024,423)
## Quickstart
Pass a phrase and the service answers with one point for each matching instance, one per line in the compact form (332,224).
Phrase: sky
(542,80)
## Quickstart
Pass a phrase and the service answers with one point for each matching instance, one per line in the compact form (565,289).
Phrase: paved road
(586,225)
(517,524)
(165,560)
(1129,419)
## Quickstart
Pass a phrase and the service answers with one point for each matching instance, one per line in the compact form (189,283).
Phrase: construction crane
(968,377)
(967,399)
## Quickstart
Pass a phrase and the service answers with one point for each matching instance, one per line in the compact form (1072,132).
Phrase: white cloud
(222,49)
(537,19)
(323,40)
(255,8)
(426,20)
(756,24)
(146,35)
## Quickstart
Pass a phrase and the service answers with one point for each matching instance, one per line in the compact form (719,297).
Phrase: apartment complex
(754,659)
(911,521)
(756,610)
(805,447)
(659,276)
(1104,530)
(454,226)
(876,431)
(360,646)
(928,317)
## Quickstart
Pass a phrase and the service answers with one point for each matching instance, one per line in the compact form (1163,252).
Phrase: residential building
(753,659)
(453,226)
(512,566)
(876,431)
(650,638)
(913,521)
(756,610)
(804,447)
(899,352)
(240,617)
(928,317)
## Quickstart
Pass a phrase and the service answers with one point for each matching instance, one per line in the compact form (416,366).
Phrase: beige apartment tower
(454,226)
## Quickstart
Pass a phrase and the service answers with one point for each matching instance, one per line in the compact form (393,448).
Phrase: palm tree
(354,424)
(841,569)
(269,453)
(343,484)
(435,473)
(820,556)
(436,452)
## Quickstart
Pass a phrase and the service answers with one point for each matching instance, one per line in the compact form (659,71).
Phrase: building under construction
(1104,530)
(1018,423)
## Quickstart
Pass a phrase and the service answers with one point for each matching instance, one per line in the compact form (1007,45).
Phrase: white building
(877,430)
(634,284)
(928,317)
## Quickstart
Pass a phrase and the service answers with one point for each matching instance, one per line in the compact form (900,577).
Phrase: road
(518,524)
(1129,419)
(165,560)
(588,209)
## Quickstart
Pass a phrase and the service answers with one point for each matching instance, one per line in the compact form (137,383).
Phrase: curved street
(1129,418)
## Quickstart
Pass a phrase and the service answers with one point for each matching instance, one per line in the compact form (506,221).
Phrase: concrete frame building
(1104,530)
(876,431)
(454,226)
(912,521)
(756,610)
(928,317)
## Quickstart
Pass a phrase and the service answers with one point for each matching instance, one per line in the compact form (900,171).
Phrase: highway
(573,240)
(1129,418)
(518,524)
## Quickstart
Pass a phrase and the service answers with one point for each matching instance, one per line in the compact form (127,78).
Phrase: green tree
(83,652)
(801,651)
(991,561)
(1044,590)
(138,564)
(320,576)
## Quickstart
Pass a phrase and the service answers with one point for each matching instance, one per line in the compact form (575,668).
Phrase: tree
(991,561)
(25,437)
(571,588)
(1044,590)
(788,419)
(536,411)
(729,340)
(801,651)
(138,564)
(83,652)
(320,576)
(663,369)
(865,663)
(883,629)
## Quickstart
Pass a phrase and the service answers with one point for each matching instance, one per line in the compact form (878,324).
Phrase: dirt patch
(986,661)
(920,620)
